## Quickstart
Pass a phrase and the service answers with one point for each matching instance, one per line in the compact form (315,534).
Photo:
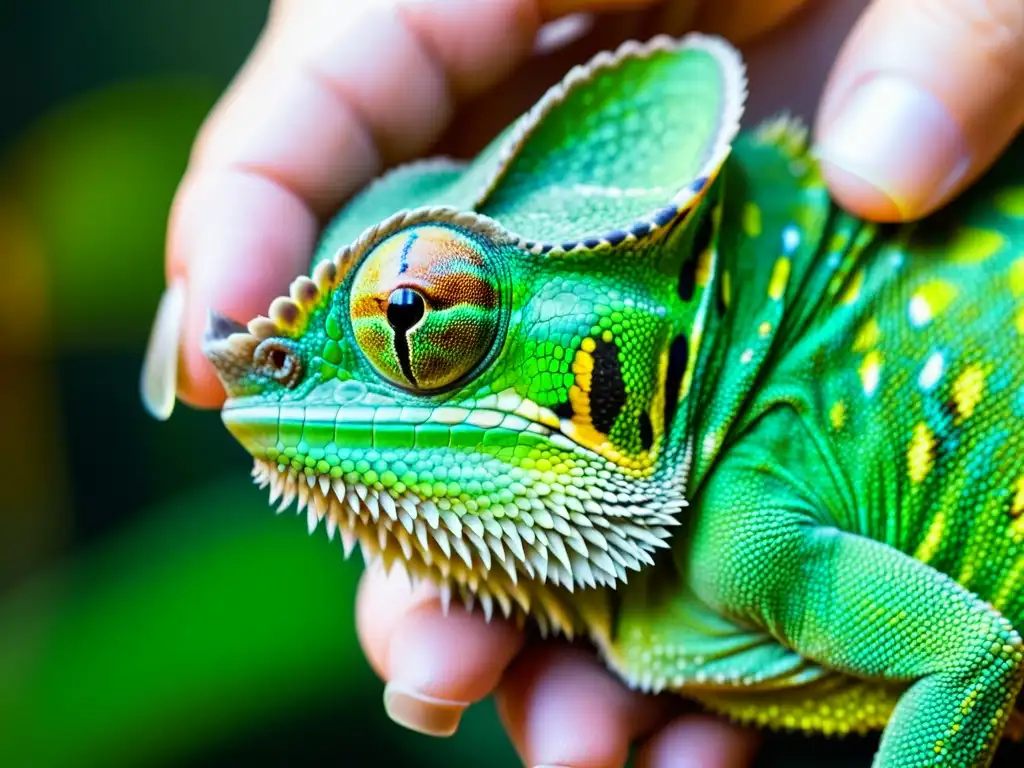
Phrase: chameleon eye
(278,361)
(426,307)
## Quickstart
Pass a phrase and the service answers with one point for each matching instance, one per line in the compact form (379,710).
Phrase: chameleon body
(631,375)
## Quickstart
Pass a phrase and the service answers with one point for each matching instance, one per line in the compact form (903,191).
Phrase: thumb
(924,96)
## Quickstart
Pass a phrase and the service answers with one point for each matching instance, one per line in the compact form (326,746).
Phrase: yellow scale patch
(933,297)
(968,390)
(868,336)
(933,538)
(970,245)
(752,220)
(779,279)
(920,454)
(1017,277)
(837,415)
(852,291)
(870,371)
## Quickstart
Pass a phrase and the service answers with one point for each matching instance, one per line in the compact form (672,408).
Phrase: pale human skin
(911,100)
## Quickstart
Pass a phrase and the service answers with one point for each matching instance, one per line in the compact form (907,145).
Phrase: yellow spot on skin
(870,372)
(931,300)
(920,454)
(837,415)
(968,390)
(1011,202)
(1017,507)
(972,245)
(868,335)
(852,291)
(752,220)
(779,279)
(932,539)
(704,262)
(764,329)
(1017,277)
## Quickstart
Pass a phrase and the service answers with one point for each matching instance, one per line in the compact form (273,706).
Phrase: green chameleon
(632,375)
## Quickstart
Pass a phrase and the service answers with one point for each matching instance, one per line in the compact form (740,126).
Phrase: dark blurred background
(153,611)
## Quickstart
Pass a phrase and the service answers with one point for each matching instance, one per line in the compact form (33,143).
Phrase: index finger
(331,93)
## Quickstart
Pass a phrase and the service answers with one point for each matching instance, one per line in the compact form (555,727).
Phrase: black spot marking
(646,431)
(405,308)
(546,247)
(701,242)
(565,410)
(607,387)
(678,358)
(665,215)
(699,183)
(568,246)
(616,236)
(640,229)
(591,242)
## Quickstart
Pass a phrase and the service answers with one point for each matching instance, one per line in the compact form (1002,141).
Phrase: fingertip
(699,740)
(236,240)
(562,707)
(859,196)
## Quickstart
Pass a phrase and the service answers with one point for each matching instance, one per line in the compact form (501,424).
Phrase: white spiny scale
(404,518)
(321,503)
(332,527)
(603,561)
(459,545)
(429,511)
(325,484)
(557,548)
(303,494)
(526,533)
(512,539)
(348,541)
(404,542)
(495,545)
(312,519)
(453,524)
(382,538)
(483,551)
(582,572)
(310,480)
(361,491)
(474,524)
(443,540)
(504,601)
(576,542)
(371,504)
(289,494)
(338,486)
(276,489)
(595,537)
(388,504)
(422,535)
(484,596)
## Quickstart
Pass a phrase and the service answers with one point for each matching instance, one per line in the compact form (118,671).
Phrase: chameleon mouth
(486,523)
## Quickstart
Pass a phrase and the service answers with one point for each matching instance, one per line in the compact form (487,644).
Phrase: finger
(698,740)
(331,93)
(435,665)
(923,97)
(561,707)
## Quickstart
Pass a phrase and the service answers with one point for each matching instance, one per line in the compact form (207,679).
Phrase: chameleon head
(489,417)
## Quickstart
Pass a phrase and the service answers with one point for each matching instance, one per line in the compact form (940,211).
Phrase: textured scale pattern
(630,374)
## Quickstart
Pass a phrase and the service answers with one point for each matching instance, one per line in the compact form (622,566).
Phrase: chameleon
(631,376)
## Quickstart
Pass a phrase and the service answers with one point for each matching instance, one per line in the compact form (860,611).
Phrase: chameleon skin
(630,374)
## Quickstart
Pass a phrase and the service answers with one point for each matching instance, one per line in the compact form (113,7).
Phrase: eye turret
(426,307)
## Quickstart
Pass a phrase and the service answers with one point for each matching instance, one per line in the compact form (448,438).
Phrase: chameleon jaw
(550,565)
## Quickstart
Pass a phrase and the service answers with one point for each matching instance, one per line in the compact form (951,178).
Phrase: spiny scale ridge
(500,564)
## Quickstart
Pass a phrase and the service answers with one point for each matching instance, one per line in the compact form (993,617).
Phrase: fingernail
(158,383)
(899,139)
(421,713)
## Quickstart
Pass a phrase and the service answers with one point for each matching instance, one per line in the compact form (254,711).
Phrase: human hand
(334,92)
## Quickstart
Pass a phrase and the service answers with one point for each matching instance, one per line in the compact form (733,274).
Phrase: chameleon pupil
(405,308)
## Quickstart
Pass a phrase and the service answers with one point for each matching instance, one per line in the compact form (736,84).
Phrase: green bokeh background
(153,611)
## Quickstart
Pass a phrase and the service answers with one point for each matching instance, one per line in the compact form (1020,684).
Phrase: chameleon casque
(633,376)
